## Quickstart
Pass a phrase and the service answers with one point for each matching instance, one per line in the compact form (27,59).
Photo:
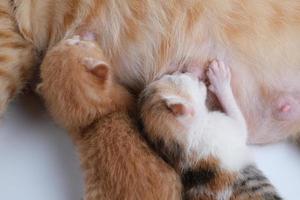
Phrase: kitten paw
(219,76)
(86,41)
(75,40)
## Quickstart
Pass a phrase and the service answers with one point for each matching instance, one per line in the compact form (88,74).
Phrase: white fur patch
(210,133)
(220,136)
(74,40)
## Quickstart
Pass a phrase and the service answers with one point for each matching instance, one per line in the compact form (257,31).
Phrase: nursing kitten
(208,149)
(85,97)
(259,39)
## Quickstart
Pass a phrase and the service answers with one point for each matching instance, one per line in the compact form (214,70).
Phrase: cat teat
(286,108)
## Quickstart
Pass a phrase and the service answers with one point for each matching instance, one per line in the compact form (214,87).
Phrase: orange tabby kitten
(84,96)
(144,39)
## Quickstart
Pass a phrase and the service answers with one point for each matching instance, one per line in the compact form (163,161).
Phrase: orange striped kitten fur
(17,56)
(144,39)
(84,96)
(208,149)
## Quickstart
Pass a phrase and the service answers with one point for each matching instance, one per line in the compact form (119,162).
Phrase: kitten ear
(101,71)
(178,107)
(97,67)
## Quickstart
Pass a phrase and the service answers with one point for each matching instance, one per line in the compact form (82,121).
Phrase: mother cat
(143,39)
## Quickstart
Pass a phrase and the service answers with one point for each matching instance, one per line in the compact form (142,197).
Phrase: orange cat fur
(142,38)
(17,56)
(84,96)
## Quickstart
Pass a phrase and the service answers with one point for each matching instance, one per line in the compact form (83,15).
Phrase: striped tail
(253,185)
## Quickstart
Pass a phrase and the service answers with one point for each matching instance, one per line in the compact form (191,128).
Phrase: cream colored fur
(143,38)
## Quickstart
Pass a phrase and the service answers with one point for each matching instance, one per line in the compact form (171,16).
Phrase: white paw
(75,40)
(86,41)
(219,76)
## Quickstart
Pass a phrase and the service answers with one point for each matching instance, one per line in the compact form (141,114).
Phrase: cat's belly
(265,79)
(271,104)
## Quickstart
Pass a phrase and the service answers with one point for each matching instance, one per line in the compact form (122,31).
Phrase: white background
(38,160)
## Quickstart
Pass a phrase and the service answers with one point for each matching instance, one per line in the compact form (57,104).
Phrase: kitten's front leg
(220,76)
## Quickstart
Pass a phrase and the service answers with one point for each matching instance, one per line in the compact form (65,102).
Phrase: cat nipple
(286,109)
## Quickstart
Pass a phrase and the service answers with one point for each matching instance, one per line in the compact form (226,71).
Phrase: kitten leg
(220,76)
(17,57)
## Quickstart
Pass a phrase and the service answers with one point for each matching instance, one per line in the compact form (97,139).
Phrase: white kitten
(207,148)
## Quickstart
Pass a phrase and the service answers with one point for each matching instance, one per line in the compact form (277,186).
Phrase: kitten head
(182,94)
(172,103)
(102,88)
(82,87)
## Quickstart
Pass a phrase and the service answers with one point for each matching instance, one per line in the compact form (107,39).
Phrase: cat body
(207,148)
(144,39)
(116,161)
(118,164)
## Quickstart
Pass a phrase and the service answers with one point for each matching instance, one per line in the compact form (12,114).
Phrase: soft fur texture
(84,96)
(143,39)
(208,149)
